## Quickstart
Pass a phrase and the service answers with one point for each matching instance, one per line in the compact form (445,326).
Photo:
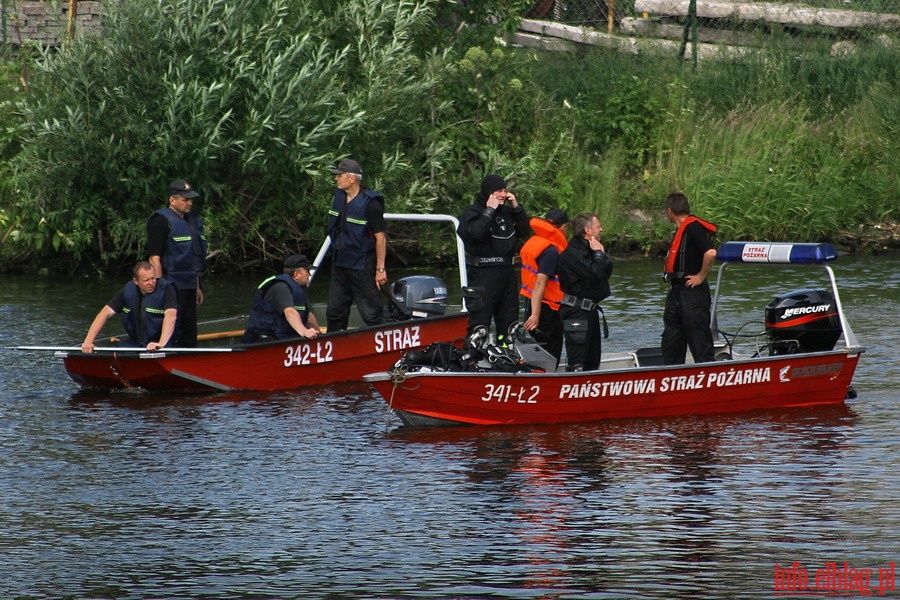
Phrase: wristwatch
(381,270)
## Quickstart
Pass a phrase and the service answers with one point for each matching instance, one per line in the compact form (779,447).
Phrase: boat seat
(649,357)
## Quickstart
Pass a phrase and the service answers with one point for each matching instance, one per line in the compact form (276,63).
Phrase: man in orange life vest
(686,318)
(540,282)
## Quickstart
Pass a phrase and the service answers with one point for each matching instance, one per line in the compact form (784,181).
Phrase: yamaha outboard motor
(418,296)
(802,321)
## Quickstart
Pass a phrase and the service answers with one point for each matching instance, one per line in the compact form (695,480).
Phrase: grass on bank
(775,146)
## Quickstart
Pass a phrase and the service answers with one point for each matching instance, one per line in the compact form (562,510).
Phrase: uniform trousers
(186,321)
(686,324)
(583,342)
(349,285)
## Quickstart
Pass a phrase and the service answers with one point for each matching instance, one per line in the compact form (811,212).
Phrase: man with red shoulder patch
(690,259)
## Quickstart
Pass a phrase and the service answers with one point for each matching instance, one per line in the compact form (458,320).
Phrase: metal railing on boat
(460,248)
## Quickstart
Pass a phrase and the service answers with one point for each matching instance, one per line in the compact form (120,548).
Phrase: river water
(320,493)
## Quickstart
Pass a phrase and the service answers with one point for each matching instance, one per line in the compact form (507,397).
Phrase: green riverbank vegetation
(253,100)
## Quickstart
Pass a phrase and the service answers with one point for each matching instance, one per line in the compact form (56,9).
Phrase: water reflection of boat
(794,363)
(419,304)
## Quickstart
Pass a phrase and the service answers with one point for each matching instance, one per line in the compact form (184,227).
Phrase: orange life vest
(676,247)
(546,235)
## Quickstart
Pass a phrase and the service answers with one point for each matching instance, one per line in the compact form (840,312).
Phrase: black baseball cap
(557,217)
(181,187)
(297,261)
(347,165)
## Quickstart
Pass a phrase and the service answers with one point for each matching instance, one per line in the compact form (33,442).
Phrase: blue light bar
(776,253)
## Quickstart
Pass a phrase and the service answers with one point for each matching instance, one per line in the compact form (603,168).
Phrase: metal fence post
(690,29)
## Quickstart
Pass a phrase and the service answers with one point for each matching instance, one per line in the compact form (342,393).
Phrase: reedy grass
(768,172)
(254,100)
(775,147)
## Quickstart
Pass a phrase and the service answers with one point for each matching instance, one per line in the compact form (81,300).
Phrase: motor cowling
(802,321)
(419,296)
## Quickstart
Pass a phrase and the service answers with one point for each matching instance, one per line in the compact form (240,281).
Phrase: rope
(398,375)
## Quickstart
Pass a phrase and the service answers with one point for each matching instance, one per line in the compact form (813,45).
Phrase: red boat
(797,366)
(281,364)
(418,304)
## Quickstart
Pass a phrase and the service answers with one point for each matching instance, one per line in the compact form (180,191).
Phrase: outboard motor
(419,296)
(802,321)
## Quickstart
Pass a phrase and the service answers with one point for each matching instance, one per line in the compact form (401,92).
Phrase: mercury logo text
(805,310)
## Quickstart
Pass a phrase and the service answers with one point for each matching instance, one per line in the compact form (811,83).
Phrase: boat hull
(288,364)
(432,398)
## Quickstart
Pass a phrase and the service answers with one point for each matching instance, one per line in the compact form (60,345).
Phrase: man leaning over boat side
(176,246)
(358,249)
(584,271)
(686,318)
(492,229)
(540,281)
(281,307)
(149,308)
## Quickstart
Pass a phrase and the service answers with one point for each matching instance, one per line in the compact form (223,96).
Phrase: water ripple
(321,494)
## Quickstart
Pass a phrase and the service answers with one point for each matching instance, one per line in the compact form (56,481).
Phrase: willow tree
(250,99)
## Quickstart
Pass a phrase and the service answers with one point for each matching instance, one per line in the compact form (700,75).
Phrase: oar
(116,349)
(214,335)
(218,335)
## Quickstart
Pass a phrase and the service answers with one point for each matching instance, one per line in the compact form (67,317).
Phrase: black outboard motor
(418,296)
(802,321)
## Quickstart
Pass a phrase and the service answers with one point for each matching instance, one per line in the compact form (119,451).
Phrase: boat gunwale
(848,352)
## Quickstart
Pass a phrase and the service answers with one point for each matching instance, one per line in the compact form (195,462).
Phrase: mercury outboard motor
(802,321)
(418,296)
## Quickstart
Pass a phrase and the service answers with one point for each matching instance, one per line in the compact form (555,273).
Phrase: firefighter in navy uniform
(280,308)
(492,229)
(691,256)
(149,308)
(584,270)
(176,246)
(358,249)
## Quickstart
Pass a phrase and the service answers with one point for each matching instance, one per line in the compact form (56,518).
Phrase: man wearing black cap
(492,229)
(358,249)
(177,247)
(281,307)
(540,282)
